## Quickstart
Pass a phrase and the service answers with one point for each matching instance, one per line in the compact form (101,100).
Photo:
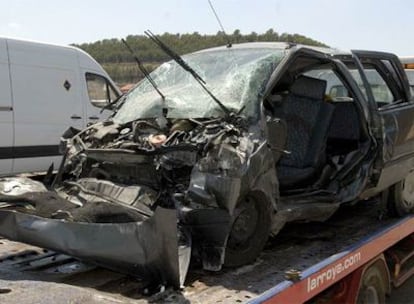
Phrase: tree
(119,63)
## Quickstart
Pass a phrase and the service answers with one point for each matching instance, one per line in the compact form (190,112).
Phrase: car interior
(322,127)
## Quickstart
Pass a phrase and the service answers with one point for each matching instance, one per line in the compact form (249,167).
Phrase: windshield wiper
(177,58)
(112,103)
(143,69)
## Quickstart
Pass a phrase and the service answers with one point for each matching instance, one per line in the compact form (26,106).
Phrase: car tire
(249,232)
(401,197)
(372,288)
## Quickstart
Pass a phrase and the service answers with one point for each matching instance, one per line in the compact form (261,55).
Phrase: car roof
(276,46)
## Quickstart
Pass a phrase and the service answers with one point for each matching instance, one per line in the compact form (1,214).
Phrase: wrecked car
(216,150)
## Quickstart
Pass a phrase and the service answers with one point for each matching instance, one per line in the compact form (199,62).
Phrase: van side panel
(47,101)
(6,112)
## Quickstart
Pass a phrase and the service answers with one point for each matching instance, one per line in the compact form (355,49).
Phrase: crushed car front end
(163,179)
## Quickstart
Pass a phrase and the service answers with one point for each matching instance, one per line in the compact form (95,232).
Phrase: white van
(44,89)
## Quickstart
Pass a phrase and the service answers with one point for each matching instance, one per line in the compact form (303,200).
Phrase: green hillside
(118,62)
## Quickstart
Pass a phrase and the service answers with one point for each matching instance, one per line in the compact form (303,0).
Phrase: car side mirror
(100,103)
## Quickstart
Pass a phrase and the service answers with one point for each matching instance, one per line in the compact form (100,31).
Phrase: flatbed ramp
(34,275)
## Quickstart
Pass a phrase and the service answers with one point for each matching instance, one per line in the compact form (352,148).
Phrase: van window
(100,91)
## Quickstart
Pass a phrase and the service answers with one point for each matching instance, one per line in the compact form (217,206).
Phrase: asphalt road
(404,294)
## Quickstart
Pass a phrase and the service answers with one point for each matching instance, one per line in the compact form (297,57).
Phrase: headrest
(309,87)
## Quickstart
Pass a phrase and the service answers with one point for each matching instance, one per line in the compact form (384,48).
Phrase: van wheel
(401,197)
(373,287)
(249,231)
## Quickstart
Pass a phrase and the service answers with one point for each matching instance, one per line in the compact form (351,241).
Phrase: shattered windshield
(235,76)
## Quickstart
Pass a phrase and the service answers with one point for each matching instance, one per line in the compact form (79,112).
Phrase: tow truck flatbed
(310,251)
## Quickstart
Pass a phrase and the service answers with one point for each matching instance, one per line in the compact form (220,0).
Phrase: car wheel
(401,197)
(373,288)
(249,232)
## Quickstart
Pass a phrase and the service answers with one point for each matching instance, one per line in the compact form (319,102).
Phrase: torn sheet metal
(147,249)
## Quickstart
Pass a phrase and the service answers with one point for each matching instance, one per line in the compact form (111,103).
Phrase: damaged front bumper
(153,249)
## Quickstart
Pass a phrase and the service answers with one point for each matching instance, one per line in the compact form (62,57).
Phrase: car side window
(100,91)
(379,87)
(335,88)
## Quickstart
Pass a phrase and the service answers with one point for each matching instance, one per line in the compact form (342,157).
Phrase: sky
(347,24)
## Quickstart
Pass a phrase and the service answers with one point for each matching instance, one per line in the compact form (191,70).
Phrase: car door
(6,112)
(388,88)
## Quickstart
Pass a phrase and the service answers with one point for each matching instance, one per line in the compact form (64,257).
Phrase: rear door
(6,112)
(388,89)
